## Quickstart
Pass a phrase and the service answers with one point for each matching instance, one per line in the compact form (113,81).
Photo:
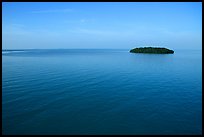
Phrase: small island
(152,50)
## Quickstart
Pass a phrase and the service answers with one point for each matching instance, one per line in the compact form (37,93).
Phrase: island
(152,50)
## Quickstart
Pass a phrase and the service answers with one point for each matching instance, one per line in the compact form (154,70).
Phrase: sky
(101,25)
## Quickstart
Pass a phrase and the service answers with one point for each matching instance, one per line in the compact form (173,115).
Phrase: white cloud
(54,11)
(82,20)
(95,32)
(15,29)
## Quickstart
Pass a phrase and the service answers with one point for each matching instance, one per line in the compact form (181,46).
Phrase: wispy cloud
(104,33)
(82,20)
(15,29)
(54,11)
(17,25)
(95,32)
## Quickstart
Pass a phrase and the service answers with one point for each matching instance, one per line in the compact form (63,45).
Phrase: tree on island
(154,50)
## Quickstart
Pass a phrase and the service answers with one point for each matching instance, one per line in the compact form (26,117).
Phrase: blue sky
(98,25)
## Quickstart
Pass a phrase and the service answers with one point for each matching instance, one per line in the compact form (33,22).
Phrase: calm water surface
(101,92)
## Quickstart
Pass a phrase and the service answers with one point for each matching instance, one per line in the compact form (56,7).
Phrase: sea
(101,92)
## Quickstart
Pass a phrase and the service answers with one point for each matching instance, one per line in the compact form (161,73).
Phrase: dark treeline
(152,50)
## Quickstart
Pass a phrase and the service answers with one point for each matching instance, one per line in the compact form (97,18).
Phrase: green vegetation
(152,50)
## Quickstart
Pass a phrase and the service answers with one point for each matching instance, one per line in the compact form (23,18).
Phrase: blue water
(101,92)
